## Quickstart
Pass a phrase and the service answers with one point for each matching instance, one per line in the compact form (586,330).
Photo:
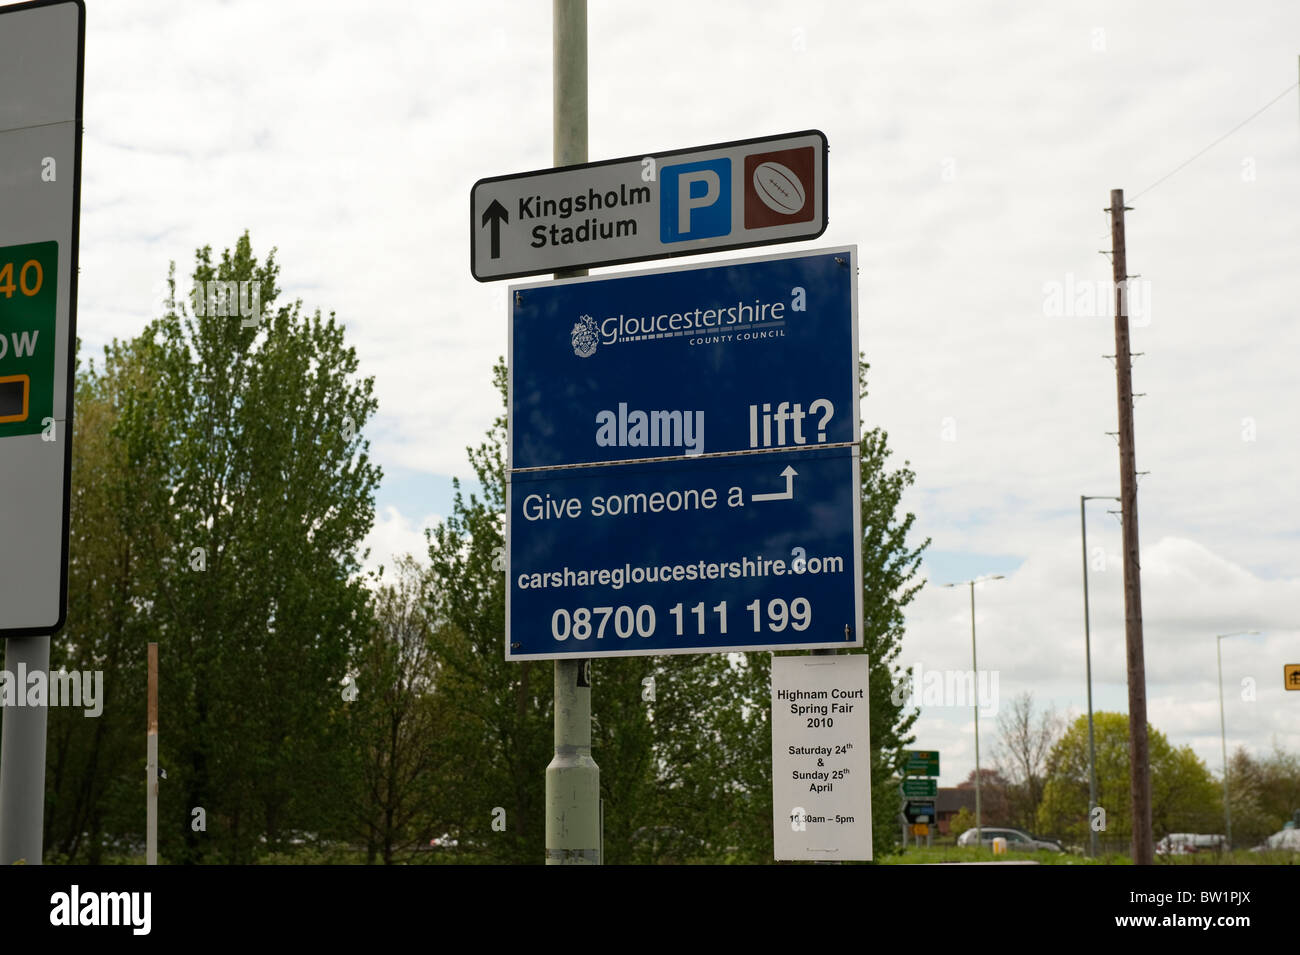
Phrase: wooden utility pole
(1139,759)
(151,763)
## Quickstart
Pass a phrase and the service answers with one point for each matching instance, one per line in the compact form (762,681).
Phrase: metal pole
(1139,757)
(1223,739)
(975,675)
(573,825)
(151,763)
(22,756)
(1087,649)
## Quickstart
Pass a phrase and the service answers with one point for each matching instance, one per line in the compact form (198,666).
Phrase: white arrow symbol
(785,495)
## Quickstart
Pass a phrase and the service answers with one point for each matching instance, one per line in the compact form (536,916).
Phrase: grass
(952,853)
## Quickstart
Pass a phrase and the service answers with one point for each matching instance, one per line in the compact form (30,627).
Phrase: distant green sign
(922,788)
(921,762)
(28,285)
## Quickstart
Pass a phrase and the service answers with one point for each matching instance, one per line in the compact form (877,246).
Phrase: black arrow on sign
(496,214)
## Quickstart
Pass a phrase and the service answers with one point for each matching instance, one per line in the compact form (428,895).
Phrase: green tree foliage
(397,726)
(1264,793)
(222,492)
(1184,797)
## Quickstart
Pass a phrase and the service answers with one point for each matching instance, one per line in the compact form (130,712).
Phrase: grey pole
(573,827)
(975,677)
(22,759)
(1223,740)
(979,819)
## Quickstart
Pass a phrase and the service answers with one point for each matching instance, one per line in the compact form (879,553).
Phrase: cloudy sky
(972,150)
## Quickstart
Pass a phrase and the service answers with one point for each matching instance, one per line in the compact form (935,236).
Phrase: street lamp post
(979,830)
(1087,651)
(1223,733)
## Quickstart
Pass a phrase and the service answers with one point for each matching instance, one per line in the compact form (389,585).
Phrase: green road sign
(28,281)
(920,788)
(921,762)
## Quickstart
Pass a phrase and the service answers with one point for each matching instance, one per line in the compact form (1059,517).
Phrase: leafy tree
(501,711)
(96,765)
(397,724)
(1184,797)
(1264,793)
(247,467)
(963,819)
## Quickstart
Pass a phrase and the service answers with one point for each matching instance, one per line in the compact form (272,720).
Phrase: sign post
(919,808)
(41,58)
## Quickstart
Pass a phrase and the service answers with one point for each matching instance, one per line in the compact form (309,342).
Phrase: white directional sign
(41,59)
(821,758)
(654,206)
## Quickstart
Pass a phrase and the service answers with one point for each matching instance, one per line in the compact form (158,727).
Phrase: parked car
(1016,839)
(1285,840)
(1188,843)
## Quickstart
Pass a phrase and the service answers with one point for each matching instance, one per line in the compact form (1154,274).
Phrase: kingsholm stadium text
(535,207)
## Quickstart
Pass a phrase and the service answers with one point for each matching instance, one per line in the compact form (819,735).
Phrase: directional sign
(919,811)
(740,357)
(821,758)
(41,56)
(1291,676)
(685,488)
(919,788)
(652,206)
(921,762)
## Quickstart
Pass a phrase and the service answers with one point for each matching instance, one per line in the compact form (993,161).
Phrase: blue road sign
(733,552)
(684,461)
(742,356)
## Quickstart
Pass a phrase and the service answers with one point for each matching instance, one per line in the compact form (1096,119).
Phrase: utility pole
(1087,652)
(22,763)
(573,824)
(1139,759)
(151,763)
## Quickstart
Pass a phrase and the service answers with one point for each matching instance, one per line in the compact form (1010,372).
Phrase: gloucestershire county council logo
(584,337)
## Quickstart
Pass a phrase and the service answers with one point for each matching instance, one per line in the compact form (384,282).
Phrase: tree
(1024,743)
(889,584)
(249,475)
(1264,793)
(963,819)
(95,765)
(1184,797)
(397,724)
(995,796)
(501,711)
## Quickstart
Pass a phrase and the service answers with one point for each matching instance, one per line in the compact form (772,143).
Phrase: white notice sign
(821,758)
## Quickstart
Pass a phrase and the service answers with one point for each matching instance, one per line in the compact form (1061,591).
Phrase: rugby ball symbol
(779,188)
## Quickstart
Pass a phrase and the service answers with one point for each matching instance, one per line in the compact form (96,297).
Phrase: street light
(1087,650)
(975,673)
(1223,733)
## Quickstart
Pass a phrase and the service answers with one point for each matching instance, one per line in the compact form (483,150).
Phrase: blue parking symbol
(695,200)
